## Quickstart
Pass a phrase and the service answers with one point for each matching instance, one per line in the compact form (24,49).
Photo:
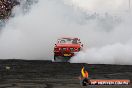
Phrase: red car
(66,48)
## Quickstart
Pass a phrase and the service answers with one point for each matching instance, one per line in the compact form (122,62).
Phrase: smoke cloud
(103,27)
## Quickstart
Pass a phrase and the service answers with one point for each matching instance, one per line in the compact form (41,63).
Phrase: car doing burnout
(65,48)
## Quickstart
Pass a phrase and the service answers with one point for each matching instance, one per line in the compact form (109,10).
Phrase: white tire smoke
(106,34)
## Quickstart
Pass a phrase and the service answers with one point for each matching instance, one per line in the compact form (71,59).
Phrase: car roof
(68,37)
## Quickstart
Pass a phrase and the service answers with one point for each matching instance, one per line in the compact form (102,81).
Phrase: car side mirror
(79,42)
(82,45)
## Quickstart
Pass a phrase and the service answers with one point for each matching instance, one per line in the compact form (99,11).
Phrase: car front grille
(68,49)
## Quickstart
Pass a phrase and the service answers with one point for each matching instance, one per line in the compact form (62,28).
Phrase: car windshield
(68,40)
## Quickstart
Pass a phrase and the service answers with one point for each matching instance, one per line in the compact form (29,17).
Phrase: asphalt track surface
(47,74)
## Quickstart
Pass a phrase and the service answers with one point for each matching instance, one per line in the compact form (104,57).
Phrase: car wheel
(57,58)
(54,58)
